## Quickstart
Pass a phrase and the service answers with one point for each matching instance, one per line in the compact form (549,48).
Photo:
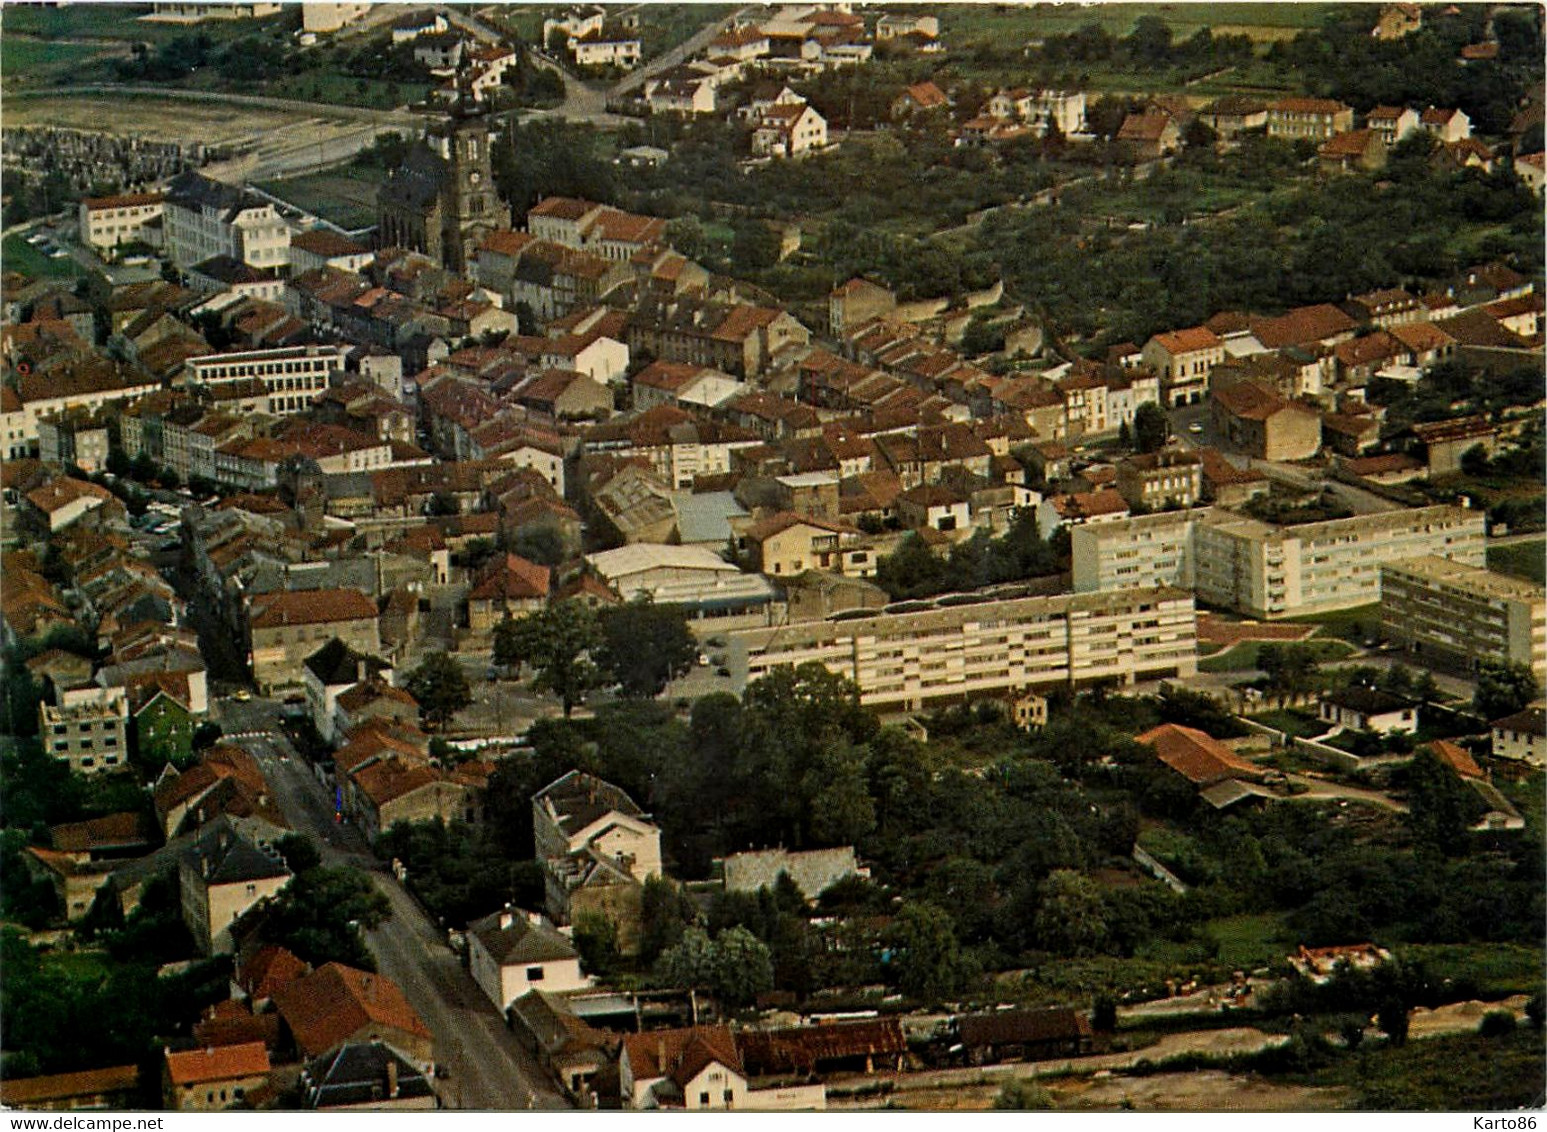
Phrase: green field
(966,24)
(1357,624)
(1242,657)
(345,196)
(37,62)
(1522,559)
(16,254)
(122,21)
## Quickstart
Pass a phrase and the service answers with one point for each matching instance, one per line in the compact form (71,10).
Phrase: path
(669,59)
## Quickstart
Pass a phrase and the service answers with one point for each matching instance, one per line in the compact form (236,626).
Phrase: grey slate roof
(356,1073)
(336,663)
(521,941)
(233,857)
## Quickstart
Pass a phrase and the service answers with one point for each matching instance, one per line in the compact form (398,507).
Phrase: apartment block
(1143,551)
(292,375)
(106,222)
(1457,614)
(953,652)
(1236,562)
(88,728)
(205,218)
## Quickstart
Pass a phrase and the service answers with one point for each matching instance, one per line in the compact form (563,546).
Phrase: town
(772,558)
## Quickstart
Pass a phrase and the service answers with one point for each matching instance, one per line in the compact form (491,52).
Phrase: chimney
(391,1077)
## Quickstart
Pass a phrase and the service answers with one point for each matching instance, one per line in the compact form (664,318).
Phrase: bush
(1497,1024)
(1023,1096)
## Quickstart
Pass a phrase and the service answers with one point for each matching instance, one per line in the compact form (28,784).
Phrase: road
(684,50)
(484,1066)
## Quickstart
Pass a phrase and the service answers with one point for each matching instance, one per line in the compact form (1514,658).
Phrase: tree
(645,646)
(1150,427)
(558,641)
(299,853)
(440,686)
(1440,807)
(542,543)
(742,968)
(688,963)
(1503,688)
(596,938)
(1474,461)
(321,914)
(927,958)
(1071,918)
(1393,1021)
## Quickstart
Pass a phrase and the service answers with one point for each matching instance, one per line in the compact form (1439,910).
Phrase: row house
(688,387)
(739,339)
(1316,118)
(679,446)
(596,228)
(1183,359)
(129,218)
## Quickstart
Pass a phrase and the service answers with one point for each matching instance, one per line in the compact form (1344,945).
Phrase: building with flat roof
(292,375)
(87,728)
(957,647)
(1459,615)
(1262,570)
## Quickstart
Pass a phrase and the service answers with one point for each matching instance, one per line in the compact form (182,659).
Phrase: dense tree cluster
(913,570)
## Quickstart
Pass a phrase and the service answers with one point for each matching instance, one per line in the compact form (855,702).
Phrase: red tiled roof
(1185,341)
(26,1091)
(335,1002)
(1458,758)
(1195,755)
(310,607)
(218,1063)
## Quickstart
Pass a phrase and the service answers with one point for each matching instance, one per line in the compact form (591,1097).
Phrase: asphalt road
(484,1067)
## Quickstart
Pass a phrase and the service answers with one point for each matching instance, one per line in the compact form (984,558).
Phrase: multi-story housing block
(994,648)
(205,218)
(1461,615)
(293,375)
(87,728)
(1262,570)
(107,222)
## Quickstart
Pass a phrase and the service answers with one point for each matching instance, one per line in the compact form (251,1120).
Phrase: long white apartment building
(947,651)
(1236,562)
(293,375)
(1459,615)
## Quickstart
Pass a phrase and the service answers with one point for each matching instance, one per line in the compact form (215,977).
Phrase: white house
(1369,709)
(1521,737)
(512,952)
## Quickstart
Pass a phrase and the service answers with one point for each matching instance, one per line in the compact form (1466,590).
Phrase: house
(1150,135)
(1445,124)
(214,1078)
(786,544)
(108,222)
(935,506)
(1521,738)
(920,98)
(788,131)
(857,302)
(66,500)
(509,586)
(1369,709)
(1392,123)
(335,1005)
(1197,756)
(597,849)
(1443,443)
(1233,115)
(204,218)
(512,952)
(222,874)
(1531,168)
(1362,150)
(1079,507)
(570,1050)
(332,670)
(1257,421)
(813,871)
(1315,118)
(366,1076)
(1183,359)
(697,1069)
(285,628)
(1170,477)
(1385,308)
(1024,1035)
(114,1088)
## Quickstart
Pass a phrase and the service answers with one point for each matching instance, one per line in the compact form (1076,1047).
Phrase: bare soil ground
(171,120)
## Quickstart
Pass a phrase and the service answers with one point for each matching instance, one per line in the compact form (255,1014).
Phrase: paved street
(484,1066)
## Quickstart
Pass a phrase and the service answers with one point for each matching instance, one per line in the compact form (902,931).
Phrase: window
(252,890)
(534,974)
(703,1100)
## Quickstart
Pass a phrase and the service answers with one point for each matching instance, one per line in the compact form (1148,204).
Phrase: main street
(484,1067)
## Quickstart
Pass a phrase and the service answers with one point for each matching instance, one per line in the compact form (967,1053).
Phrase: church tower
(470,206)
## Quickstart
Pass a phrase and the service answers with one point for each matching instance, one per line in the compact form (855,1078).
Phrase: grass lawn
(1522,559)
(121,21)
(1292,722)
(664,26)
(1250,941)
(1358,624)
(1530,798)
(967,24)
(345,196)
(18,255)
(1242,657)
(81,965)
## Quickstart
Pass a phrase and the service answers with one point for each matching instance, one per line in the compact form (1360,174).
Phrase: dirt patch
(1460,1017)
(1213,630)
(1206,1091)
(160,120)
